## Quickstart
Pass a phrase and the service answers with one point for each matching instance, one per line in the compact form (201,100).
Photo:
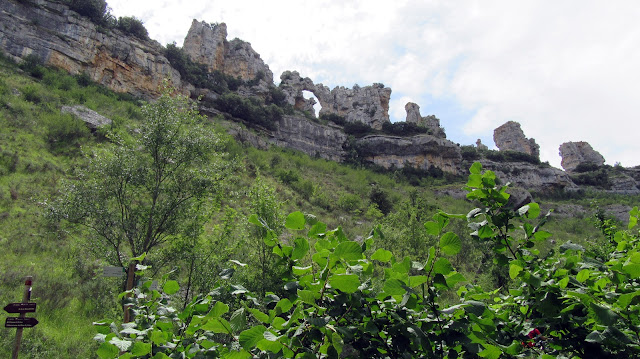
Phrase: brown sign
(20,322)
(20,307)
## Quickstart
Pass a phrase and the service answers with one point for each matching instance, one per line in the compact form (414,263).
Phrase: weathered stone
(430,122)
(622,183)
(421,152)
(369,104)
(531,177)
(62,38)
(207,44)
(509,137)
(575,154)
(93,119)
(481,146)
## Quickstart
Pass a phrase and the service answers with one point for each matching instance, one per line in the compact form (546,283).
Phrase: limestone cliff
(207,44)
(368,104)
(531,177)
(431,122)
(62,38)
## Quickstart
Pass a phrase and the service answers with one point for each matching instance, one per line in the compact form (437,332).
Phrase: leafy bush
(132,26)
(349,202)
(96,10)
(288,176)
(511,156)
(596,178)
(469,153)
(357,129)
(380,197)
(403,129)
(586,167)
(333,117)
(32,64)
(64,129)
(249,110)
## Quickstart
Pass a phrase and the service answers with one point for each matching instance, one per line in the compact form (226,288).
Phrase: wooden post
(26,297)
(131,272)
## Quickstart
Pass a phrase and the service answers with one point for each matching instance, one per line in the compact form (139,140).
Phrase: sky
(565,70)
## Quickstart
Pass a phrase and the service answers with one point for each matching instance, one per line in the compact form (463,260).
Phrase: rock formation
(421,152)
(61,38)
(369,104)
(481,146)
(509,137)
(531,177)
(575,154)
(431,122)
(93,119)
(207,44)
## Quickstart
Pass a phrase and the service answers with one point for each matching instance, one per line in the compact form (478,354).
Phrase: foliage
(144,193)
(586,167)
(133,26)
(357,129)
(96,10)
(250,110)
(469,153)
(333,117)
(32,64)
(380,198)
(511,156)
(598,178)
(403,129)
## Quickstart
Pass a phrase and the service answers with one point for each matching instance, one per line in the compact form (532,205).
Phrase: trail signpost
(21,321)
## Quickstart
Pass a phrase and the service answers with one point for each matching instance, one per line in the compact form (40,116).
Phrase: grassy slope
(39,148)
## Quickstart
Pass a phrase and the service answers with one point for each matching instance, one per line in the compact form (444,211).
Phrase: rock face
(509,137)
(481,146)
(431,122)
(207,44)
(577,153)
(369,104)
(422,152)
(62,38)
(93,119)
(531,177)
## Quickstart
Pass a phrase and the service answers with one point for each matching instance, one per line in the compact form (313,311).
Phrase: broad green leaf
(514,270)
(259,315)
(583,275)
(382,255)
(158,337)
(250,337)
(238,320)
(394,287)
(300,248)
(171,287)
(563,282)
(416,280)
(218,325)
(541,235)
(432,228)
(242,354)
(269,345)
(347,283)
(450,244)
(476,168)
(455,278)
(316,229)
(295,221)
(255,220)
(123,345)
(603,315)
(625,299)
(490,352)
(107,351)
(307,296)
(337,342)
(442,266)
(474,181)
(141,349)
(301,270)
(348,251)
(532,210)
(139,258)
(284,305)
(632,269)
(218,309)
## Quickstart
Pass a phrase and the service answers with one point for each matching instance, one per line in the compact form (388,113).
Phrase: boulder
(510,137)
(575,154)
(93,119)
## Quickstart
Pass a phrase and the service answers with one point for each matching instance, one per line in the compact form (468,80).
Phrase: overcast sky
(566,70)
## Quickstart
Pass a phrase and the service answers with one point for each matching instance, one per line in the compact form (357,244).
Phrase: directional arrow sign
(20,322)
(20,307)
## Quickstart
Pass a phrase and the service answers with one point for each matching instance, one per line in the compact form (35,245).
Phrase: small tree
(148,190)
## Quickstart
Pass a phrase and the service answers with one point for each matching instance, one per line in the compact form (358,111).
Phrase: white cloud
(567,71)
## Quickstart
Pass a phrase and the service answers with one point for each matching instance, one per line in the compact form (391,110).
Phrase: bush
(333,117)
(380,198)
(249,110)
(64,129)
(349,202)
(357,129)
(132,26)
(403,129)
(96,10)
(596,178)
(32,64)
(469,153)
(32,94)
(288,176)
(586,167)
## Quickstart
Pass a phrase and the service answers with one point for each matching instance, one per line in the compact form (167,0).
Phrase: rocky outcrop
(431,122)
(509,137)
(575,154)
(207,44)
(481,146)
(369,104)
(93,119)
(531,177)
(62,38)
(421,152)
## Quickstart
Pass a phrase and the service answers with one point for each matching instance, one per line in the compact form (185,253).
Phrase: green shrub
(96,10)
(333,117)
(380,198)
(288,176)
(32,93)
(586,167)
(357,129)
(64,129)
(349,201)
(249,110)
(598,178)
(403,129)
(133,26)
(83,79)
(32,64)
(469,153)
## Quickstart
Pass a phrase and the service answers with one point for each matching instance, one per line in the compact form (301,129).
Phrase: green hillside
(42,153)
